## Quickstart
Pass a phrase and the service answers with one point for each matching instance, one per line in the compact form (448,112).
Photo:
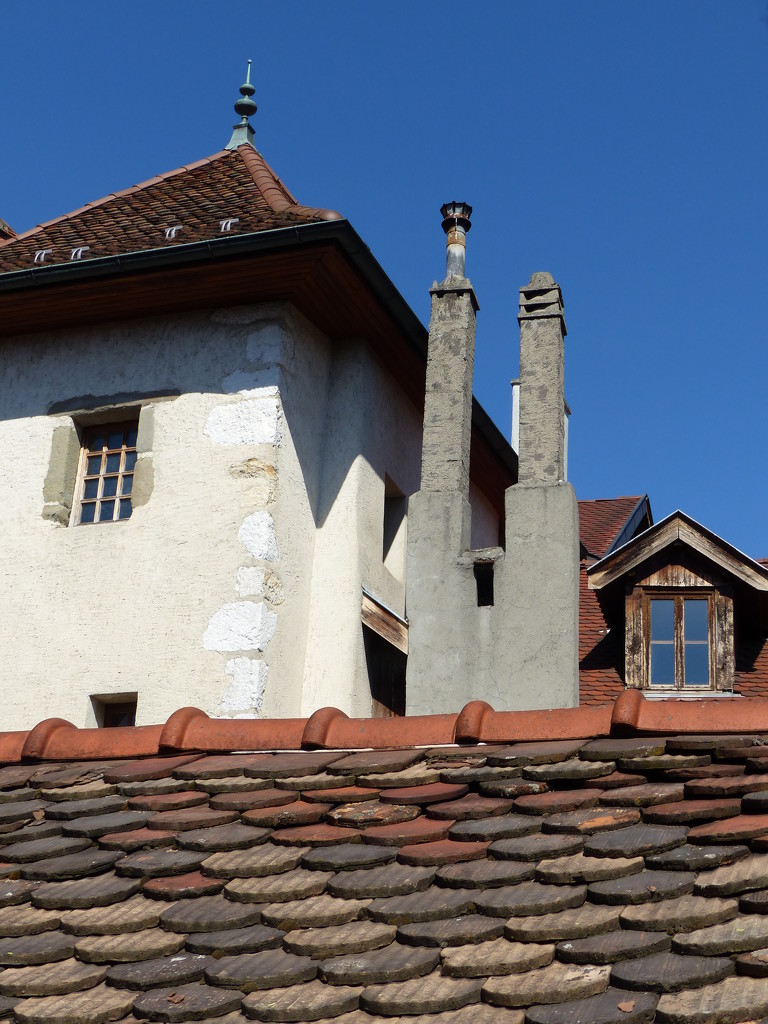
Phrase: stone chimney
(450,363)
(542,396)
(540,581)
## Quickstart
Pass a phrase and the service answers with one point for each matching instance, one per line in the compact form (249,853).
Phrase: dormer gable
(689,600)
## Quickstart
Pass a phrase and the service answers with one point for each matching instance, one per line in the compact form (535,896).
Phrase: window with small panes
(105,477)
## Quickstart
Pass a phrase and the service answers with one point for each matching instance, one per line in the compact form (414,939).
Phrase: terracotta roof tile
(196,199)
(602,520)
(553,912)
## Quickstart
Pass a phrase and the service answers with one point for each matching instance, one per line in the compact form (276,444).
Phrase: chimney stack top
(456,224)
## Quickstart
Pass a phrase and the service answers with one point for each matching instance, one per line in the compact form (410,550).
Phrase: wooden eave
(677,528)
(324,269)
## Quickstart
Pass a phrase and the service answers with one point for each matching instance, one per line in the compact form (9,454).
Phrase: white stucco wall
(237,586)
(155,605)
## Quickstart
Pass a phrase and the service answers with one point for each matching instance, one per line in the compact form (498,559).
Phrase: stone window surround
(66,444)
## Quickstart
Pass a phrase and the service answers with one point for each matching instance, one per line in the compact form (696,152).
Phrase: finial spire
(245,107)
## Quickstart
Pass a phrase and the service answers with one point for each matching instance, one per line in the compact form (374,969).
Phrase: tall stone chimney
(439,517)
(541,564)
(450,364)
(542,387)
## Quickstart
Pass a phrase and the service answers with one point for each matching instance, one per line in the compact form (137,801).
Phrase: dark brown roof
(593,865)
(198,198)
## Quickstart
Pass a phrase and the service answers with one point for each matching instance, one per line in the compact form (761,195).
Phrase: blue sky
(619,144)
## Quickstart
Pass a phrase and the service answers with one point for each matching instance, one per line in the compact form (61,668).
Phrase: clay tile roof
(602,520)
(196,199)
(598,864)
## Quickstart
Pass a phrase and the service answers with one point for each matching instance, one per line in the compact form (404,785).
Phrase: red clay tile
(168,801)
(345,795)
(299,812)
(469,807)
(151,768)
(192,817)
(418,830)
(435,792)
(691,811)
(724,787)
(192,729)
(216,766)
(484,724)
(443,851)
(739,829)
(557,801)
(617,780)
(138,839)
(246,800)
(179,887)
(319,834)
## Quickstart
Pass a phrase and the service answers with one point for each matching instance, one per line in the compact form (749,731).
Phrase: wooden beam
(384,622)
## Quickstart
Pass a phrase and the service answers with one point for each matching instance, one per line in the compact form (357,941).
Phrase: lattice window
(105,478)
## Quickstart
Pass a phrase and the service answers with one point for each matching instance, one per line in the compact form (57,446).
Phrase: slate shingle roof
(230,184)
(617,871)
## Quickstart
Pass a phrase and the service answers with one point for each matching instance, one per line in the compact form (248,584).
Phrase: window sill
(680,695)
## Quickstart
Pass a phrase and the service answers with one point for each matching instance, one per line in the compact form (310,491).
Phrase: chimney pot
(456,224)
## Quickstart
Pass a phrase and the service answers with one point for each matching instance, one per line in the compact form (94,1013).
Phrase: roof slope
(198,197)
(602,520)
(601,652)
(611,879)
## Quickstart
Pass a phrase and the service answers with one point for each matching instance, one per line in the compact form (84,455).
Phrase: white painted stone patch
(256,420)
(257,534)
(250,581)
(244,695)
(240,626)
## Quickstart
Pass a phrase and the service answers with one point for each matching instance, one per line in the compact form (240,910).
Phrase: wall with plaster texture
(181,602)
(258,517)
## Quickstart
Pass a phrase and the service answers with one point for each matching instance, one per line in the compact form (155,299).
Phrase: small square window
(105,476)
(114,710)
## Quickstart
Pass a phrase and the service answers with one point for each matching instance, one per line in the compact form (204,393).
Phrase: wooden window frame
(678,597)
(124,472)
(719,630)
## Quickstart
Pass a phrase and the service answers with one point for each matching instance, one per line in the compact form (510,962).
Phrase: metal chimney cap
(456,215)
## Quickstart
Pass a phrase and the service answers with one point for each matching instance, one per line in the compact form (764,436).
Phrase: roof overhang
(324,268)
(677,528)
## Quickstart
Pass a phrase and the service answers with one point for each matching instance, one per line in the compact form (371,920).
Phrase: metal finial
(245,107)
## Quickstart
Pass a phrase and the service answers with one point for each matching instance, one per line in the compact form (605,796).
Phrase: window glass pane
(126,484)
(115,439)
(91,489)
(113,463)
(96,441)
(662,664)
(107,511)
(110,486)
(695,620)
(697,664)
(662,619)
(130,437)
(94,465)
(125,509)
(87,512)
(130,460)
